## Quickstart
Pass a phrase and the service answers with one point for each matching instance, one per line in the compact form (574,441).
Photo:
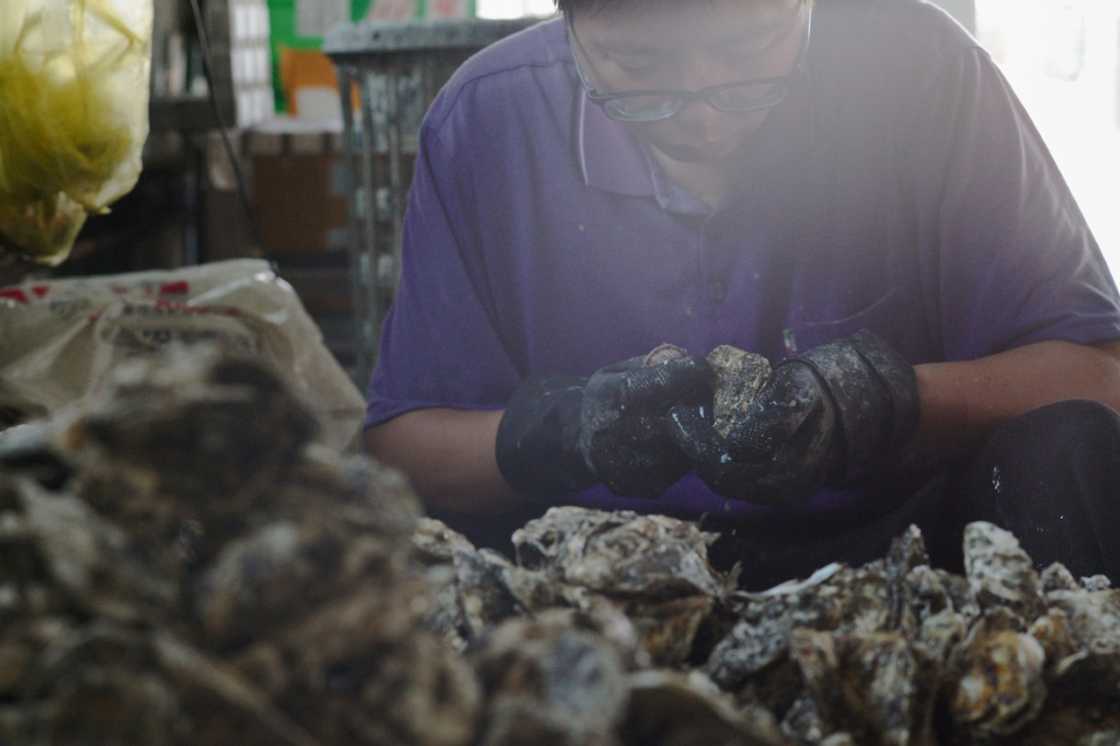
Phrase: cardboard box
(300,188)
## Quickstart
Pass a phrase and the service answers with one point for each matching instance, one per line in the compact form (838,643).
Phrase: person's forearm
(961,402)
(448,455)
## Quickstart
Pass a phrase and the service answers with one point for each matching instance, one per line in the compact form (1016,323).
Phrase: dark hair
(567,6)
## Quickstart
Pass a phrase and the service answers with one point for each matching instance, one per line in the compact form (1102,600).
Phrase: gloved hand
(828,417)
(562,435)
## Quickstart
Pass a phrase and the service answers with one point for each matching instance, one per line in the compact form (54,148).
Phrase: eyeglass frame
(684,98)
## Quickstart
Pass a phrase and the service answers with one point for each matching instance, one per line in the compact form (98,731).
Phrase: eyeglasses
(740,97)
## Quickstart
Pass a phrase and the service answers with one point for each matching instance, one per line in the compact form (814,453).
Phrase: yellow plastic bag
(73,116)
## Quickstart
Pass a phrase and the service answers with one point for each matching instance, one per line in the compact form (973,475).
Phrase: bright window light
(515,8)
(1063,59)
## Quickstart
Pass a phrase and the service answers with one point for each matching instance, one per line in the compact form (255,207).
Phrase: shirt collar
(610,158)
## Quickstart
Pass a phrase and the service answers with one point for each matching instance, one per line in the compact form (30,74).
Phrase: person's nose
(698,116)
(700,120)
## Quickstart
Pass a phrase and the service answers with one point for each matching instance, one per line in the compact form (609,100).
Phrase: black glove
(829,417)
(562,435)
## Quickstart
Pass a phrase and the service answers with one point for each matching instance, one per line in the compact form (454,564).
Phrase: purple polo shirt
(899,188)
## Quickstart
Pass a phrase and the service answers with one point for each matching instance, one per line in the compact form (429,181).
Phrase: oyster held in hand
(740,375)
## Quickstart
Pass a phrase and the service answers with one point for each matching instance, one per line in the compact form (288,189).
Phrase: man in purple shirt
(846,185)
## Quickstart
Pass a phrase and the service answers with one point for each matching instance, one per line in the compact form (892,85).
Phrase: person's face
(690,46)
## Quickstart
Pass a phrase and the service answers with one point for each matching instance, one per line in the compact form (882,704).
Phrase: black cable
(208,70)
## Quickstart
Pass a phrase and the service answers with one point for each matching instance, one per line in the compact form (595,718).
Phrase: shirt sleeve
(1014,261)
(439,347)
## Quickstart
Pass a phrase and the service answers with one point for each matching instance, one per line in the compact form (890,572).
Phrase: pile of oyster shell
(180,563)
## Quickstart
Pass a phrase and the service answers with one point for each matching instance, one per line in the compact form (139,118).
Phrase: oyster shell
(668,629)
(740,375)
(551,683)
(907,552)
(471,590)
(479,589)
(1096,583)
(999,572)
(839,739)
(273,574)
(59,555)
(621,553)
(927,593)
(1053,632)
(197,425)
(941,633)
(940,605)
(292,566)
(1055,577)
(28,451)
(654,568)
(803,723)
(675,709)
(491,589)
(435,543)
(1088,623)
(835,598)
(1070,722)
(876,687)
(198,442)
(108,684)
(357,670)
(484,594)
(23,645)
(1079,636)
(300,600)
(1094,619)
(999,687)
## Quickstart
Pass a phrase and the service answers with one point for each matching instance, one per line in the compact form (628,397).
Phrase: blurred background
(1063,59)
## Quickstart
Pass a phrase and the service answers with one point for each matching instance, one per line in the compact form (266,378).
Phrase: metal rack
(397,69)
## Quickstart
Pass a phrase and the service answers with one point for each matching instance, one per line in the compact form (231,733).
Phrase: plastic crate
(397,68)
